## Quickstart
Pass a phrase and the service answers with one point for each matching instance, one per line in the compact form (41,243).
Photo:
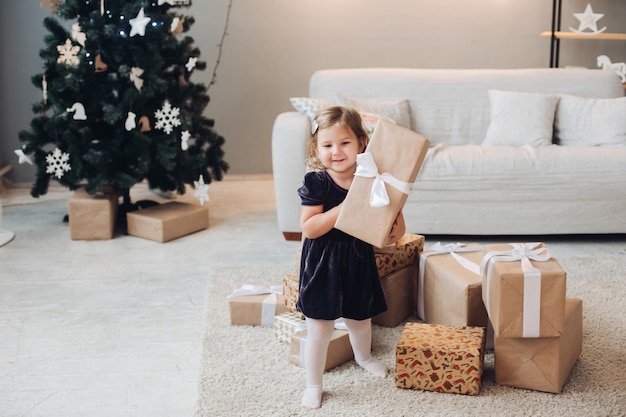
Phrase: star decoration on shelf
(191,64)
(202,190)
(588,20)
(138,24)
(22,157)
(184,140)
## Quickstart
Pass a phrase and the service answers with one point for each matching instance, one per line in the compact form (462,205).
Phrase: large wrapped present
(165,222)
(384,176)
(400,288)
(255,305)
(92,217)
(287,324)
(541,364)
(404,252)
(450,285)
(523,290)
(436,357)
(339,349)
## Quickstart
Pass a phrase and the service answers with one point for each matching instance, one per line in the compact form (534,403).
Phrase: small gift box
(400,288)
(395,257)
(339,349)
(541,364)
(384,177)
(523,290)
(92,217)
(450,285)
(436,357)
(165,222)
(286,324)
(255,305)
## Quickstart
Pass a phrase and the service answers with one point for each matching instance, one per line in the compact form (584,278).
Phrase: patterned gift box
(541,364)
(252,305)
(286,324)
(385,171)
(395,257)
(450,285)
(290,291)
(442,358)
(523,290)
(400,288)
(339,349)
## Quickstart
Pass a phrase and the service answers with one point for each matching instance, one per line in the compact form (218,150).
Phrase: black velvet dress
(338,274)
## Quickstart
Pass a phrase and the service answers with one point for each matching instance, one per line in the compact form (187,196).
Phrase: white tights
(319,333)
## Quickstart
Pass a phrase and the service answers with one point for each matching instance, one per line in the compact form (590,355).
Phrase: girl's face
(337,148)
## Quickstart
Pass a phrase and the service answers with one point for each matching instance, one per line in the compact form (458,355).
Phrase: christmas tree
(118,106)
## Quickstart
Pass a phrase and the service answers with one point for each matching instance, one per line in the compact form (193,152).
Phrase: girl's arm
(398,229)
(316,222)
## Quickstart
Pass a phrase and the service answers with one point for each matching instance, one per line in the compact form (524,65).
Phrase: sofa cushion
(584,121)
(310,106)
(397,110)
(519,119)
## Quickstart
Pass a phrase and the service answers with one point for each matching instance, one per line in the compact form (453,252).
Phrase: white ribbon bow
(366,167)
(439,249)
(523,252)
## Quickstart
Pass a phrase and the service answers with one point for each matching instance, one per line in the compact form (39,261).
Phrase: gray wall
(273,47)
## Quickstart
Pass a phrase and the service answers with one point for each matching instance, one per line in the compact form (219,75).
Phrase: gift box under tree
(92,217)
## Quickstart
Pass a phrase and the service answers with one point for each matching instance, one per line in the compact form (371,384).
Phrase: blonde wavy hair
(345,116)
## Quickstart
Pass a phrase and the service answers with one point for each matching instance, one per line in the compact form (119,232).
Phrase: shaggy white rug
(245,370)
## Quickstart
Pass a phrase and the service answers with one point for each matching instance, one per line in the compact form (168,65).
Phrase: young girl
(338,274)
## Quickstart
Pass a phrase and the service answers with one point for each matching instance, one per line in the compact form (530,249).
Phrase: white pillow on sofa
(397,110)
(310,106)
(583,121)
(519,119)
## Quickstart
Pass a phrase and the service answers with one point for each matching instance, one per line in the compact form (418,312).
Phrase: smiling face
(337,148)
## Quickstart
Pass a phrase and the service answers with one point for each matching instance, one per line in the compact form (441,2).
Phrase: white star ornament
(138,24)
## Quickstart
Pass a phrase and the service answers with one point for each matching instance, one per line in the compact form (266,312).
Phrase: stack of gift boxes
(466,297)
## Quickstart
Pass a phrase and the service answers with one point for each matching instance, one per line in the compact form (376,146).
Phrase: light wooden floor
(113,328)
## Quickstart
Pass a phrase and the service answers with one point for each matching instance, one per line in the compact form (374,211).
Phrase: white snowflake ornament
(167,117)
(58,163)
(202,190)
(68,53)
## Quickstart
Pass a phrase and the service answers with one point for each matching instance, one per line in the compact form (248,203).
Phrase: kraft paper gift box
(168,221)
(92,217)
(404,252)
(394,154)
(541,364)
(450,285)
(253,305)
(286,324)
(437,357)
(523,290)
(400,288)
(339,349)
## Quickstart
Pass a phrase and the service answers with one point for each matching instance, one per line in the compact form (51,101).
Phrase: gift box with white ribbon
(450,285)
(523,290)
(384,177)
(255,305)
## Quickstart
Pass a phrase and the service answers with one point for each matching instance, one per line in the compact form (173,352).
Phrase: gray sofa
(514,151)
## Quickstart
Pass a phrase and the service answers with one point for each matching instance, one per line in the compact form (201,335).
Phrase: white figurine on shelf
(588,20)
(605,63)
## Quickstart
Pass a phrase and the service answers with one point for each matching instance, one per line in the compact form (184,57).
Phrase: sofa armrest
(289,138)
